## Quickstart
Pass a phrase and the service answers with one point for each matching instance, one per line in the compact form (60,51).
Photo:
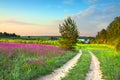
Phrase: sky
(42,17)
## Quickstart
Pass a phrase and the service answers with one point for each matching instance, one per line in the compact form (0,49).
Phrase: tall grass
(80,70)
(27,61)
(95,46)
(109,60)
(110,63)
(46,42)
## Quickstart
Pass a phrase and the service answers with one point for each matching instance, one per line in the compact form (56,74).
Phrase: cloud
(92,1)
(89,22)
(93,19)
(17,22)
(68,2)
(66,10)
(26,29)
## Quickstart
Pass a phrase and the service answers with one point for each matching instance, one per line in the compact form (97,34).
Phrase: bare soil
(94,71)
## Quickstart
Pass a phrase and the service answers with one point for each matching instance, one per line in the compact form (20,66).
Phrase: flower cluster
(41,50)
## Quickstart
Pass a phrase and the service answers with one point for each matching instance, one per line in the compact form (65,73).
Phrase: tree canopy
(101,36)
(110,35)
(69,33)
(5,34)
(113,29)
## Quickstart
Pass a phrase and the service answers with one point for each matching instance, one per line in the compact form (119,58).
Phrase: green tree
(118,46)
(101,36)
(69,34)
(113,30)
(111,35)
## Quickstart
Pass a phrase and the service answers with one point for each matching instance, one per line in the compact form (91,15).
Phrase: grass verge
(110,63)
(80,70)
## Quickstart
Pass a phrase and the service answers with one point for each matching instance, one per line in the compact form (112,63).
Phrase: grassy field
(108,58)
(80,70)
(110,63)
(26,61)
(35,41)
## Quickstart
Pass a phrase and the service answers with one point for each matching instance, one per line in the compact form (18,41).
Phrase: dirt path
(94,72)
(62,71)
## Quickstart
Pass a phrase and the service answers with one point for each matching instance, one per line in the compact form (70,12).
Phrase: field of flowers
(26,61)
(19,61)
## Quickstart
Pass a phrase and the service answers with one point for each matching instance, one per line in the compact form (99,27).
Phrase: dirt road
(62,71)
(94,72)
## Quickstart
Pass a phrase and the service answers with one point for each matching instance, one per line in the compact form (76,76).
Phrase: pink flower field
(19,61)
(9,49)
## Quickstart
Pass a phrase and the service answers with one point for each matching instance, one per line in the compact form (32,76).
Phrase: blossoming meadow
(19,61)
(9,49)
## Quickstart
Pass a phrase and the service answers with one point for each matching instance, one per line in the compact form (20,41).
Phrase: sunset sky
(42,17)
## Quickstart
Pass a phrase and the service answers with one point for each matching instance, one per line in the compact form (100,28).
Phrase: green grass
(110,63)
(95,46)
(80,70)
(39,41)
(17,68)
(109,59)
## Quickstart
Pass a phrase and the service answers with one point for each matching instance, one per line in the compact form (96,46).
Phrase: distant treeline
(5,34)
(53,37)
(110,35)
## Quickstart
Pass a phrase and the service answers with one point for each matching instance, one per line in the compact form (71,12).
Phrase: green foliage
(18,68)
(111,35)
(47,42)
(7,35)
(114,28)
(118,46)
(69,34)
(113,32)
(109,60)
(80,70)
(101,36)
(110,65)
